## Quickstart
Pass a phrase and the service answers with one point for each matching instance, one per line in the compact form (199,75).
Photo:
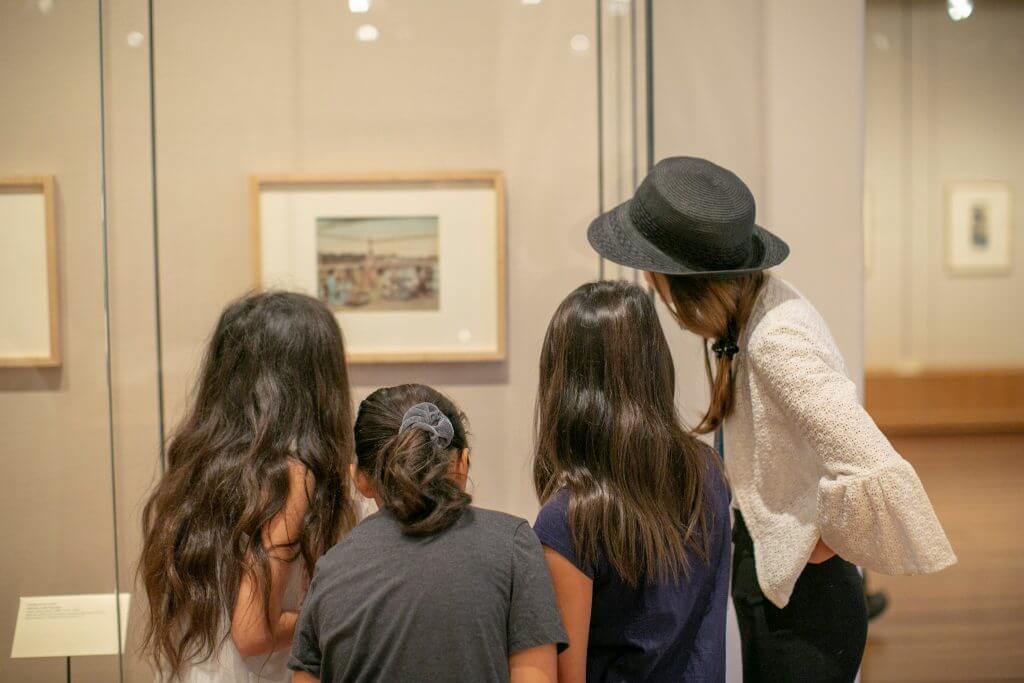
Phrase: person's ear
(363,483)
(460,468)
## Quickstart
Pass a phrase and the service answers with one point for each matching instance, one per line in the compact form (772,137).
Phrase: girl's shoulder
(489,531)
(474,520)
(554,513)
(716,486)
(493,521)
(553,529)
(783,309)
(779,301)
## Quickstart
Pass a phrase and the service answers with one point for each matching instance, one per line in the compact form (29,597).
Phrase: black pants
(818,637)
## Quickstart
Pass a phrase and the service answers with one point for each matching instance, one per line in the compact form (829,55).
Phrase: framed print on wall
(979,228)
(29,307)
(413,265)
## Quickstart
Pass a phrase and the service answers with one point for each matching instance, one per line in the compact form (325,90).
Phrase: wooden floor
(966,623)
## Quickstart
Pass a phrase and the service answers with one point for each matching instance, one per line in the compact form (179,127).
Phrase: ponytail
(714,309)
(411,464)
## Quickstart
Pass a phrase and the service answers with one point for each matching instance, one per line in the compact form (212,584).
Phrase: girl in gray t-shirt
(428,588)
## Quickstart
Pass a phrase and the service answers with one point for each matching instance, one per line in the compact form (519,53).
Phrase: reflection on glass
(579,43)
(959,9)
(367,33)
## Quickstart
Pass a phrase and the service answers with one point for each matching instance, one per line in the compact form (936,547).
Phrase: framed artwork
(413,265)
(29,306)
(979,228)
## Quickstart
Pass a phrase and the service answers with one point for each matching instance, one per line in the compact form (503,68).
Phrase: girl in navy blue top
(635,517)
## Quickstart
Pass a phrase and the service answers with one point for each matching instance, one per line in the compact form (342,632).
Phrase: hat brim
(614,236)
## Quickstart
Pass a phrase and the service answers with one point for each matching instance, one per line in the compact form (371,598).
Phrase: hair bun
(429,418)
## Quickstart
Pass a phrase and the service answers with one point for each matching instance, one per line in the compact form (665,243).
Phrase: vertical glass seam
(600,125)
(649,34)
(157,313)
(107,332)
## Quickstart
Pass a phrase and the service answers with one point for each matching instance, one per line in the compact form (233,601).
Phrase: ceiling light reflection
(959,9)
(367,33)
(618,8)
(579,43)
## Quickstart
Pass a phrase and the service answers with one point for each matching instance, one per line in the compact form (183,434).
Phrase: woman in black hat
(817,488)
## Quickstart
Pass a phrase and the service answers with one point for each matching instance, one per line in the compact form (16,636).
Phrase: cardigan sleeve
(871,507)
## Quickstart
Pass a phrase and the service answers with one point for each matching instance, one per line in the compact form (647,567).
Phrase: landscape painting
(372,248)
(378,263)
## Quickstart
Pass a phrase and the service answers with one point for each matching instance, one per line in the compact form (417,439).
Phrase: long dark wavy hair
(607,430)
(410,471)
(273,388)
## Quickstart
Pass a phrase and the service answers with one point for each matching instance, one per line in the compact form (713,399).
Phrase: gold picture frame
(44,186)
(400,182)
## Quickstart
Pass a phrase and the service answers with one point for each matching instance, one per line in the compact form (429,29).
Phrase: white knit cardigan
(806,461)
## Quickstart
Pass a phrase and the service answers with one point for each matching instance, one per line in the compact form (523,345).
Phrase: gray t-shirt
(452,606)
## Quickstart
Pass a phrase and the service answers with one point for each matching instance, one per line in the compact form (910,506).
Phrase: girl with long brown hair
(817,488)
(635,517)
(254,492)
(430,587)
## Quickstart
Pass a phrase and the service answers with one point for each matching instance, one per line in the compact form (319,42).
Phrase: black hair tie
(725,347)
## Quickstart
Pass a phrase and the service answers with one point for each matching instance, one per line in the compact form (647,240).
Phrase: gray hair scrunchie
(429,418)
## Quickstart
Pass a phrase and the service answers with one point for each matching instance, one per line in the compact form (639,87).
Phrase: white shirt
(227,665)
(806,461)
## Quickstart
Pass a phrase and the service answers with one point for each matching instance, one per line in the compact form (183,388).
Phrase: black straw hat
(688,217)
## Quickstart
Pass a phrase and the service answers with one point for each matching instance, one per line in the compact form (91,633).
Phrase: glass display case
(149,122)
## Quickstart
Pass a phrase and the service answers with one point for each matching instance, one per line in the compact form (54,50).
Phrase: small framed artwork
(29,306)
(413,265)
(979,228)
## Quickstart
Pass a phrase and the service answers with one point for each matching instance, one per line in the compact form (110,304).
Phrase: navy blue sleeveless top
(658,631)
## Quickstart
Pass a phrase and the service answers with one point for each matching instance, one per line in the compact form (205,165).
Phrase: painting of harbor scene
(378,263)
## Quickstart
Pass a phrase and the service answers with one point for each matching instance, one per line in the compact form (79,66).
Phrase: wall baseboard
(955,401)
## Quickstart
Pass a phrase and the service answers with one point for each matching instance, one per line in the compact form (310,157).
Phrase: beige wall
(944,103)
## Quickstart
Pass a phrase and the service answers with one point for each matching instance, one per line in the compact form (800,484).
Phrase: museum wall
(944,104)
(55,493)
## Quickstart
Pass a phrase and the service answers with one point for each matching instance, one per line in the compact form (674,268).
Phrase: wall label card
(70,625)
